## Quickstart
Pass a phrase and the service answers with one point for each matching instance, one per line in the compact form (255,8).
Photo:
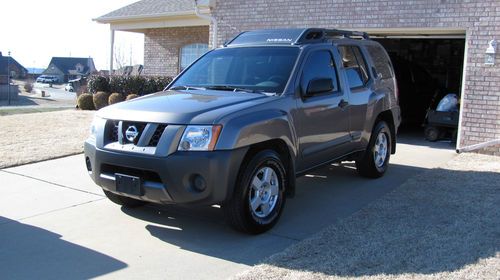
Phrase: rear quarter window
(381,61)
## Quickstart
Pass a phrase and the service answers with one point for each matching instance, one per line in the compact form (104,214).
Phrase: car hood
(181,107)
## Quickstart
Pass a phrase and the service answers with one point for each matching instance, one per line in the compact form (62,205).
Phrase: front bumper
(169,179)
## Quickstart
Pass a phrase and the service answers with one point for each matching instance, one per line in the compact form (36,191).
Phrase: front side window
(190,53)
(255,68)
(319,65)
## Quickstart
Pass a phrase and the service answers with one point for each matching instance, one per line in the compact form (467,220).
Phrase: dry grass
(40,136)
(441,224)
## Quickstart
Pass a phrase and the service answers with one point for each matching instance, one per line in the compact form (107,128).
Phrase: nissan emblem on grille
(131,133)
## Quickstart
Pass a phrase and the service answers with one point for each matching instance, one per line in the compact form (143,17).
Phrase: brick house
(17,71)
(448,38)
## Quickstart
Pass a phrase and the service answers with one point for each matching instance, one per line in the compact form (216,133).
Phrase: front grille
(126,125)
(156,136)
(113,133)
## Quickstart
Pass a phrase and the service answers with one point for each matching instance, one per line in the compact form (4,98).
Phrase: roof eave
(108,20)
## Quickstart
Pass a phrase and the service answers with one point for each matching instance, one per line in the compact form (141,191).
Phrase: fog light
(89,164)
(198,183)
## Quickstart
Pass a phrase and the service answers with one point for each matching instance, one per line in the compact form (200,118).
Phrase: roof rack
(292,36)
(320,34)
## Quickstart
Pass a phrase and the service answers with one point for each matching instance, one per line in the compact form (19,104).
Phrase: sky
(34,31)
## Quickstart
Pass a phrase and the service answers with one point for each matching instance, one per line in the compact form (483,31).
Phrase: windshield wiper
(229,88)
(186,88)
(238,89)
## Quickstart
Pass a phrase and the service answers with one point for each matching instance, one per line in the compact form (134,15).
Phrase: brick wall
(480,19)
(162,47)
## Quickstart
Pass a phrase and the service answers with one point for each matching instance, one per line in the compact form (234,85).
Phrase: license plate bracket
(128,184)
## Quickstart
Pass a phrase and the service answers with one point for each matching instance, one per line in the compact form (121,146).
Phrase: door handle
(343,103)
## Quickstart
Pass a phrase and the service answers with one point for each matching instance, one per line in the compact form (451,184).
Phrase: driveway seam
(51,211)
(52,183)
(283,236)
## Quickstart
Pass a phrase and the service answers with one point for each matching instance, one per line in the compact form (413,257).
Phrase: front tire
(123,200)
(259,194)
(375,159)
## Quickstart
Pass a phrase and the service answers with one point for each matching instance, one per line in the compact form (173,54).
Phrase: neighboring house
(129,70)
(17,71)
(69,68)
(448,38)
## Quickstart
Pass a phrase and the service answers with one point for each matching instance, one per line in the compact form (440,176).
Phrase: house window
(190,53)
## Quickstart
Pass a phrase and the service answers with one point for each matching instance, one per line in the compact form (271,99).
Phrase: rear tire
(431,133)
(259,194)
(123,200)
(375,160)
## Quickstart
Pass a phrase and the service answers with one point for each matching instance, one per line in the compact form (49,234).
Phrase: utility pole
(8,78)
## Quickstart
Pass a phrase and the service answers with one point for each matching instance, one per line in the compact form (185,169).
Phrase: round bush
(115,98)
(85,101)
(28,87)
(131,96)
(101,99)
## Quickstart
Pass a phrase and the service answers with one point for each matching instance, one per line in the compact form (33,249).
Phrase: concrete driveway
(55,223)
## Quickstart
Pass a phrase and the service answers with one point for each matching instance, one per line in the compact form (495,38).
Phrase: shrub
(98,83)
(126,84)
(116,84)
(134,84)
(131,96)
(85,101)
(28,86)
(101,99)
(115,98)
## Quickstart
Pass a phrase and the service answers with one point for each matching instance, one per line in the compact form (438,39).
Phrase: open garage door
(428,66)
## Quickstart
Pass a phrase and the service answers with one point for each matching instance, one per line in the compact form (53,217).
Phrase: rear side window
(380,61)
(319,65)
(355,66)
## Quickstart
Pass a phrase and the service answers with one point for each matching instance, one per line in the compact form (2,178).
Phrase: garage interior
(427,68)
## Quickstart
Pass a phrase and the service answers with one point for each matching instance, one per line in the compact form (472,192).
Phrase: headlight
(199,138)
(93,128)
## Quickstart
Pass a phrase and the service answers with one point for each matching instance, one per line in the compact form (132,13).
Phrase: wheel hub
(264,192)
(380,149)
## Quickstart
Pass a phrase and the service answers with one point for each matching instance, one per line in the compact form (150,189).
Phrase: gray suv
(243,121)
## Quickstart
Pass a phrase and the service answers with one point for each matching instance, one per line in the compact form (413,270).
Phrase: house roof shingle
(149,8)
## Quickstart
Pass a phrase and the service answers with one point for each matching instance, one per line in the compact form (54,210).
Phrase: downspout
(478,146)
(212,20)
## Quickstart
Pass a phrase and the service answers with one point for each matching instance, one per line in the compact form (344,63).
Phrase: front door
(323,118)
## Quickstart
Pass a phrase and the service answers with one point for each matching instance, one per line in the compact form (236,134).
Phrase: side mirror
(320,85)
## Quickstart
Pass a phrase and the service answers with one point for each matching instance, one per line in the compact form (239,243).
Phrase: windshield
(264,69)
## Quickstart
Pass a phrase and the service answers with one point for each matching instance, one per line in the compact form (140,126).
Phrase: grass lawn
(33,137)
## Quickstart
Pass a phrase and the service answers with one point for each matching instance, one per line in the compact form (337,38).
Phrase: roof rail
(292,36)
(319,34)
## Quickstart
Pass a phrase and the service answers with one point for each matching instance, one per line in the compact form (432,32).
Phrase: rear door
(323,118)
(359,84)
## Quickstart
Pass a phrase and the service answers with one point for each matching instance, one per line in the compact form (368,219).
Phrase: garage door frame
(431,33)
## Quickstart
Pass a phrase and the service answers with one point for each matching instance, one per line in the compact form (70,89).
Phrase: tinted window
(319,65)
(380,61)
(355,66)
(258,68)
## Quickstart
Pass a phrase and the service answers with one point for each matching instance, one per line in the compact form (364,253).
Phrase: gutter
(107,20)
(211,19)
(478,146)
